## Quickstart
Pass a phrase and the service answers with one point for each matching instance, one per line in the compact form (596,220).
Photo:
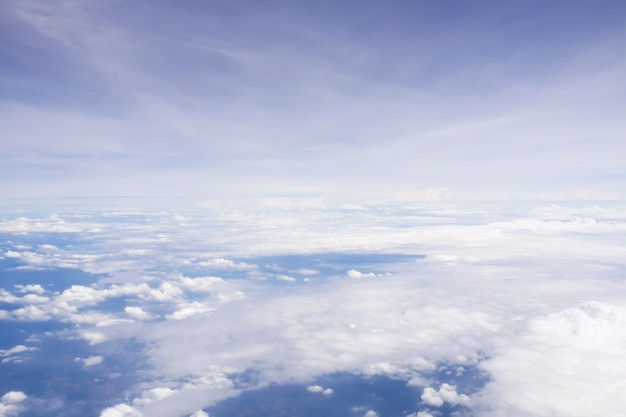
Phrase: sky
(351,101)
(332,205)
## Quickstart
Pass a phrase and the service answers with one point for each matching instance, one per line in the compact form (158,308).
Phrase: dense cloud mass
(532,299)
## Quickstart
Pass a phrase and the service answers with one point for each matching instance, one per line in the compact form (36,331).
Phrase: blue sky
(344,101)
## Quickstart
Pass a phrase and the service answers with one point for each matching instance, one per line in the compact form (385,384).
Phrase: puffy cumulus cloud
(167,291)
(137,313)
(13,397)
(353,273)
(320,390)
(446,394)
(10,403)
(370,413)
(569,363)
(199,413)
(186,310)
(12,254)
(31,288)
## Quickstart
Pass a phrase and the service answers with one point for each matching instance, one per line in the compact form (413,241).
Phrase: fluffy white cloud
(353,273)
(370,413)
(446,394)
(13,397)
(137,313)
(569,363)
(10,403)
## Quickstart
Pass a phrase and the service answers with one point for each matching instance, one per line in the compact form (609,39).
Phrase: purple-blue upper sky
(349,100)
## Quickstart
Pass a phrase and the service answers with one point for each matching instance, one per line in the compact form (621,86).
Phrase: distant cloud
(221,263)
(90,361)
(353,273)
(285,278)
(121,410)
(199,413)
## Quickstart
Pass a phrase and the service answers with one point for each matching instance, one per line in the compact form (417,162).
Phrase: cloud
(137,313)
(220,263)
(319,389)
(10,403)
(13,397)
(120,410)
(285,278)
(567,363)
(370,413)
(199,413)
(13,354)
(446,394)
(90,361)
(352,273)
(16,349)
(93,337)
(518,269)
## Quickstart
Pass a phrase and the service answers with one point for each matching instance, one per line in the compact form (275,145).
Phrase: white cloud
(315,388)
(370,413)
(446,394)
(121,410)
(569,363)
(353,273)
(285,278)
(221,263)
(33,288)
(10,403)
(15,350)
(12,254)
(93,337)
(199,413)
(154,394)
(13,397)
(137,313)
(90,361)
